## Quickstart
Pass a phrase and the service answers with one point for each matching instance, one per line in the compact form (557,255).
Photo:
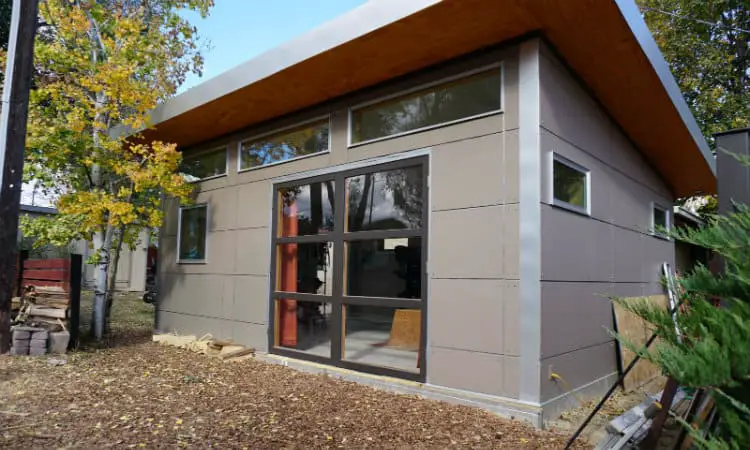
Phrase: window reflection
(305,140)
(192,236)
(303,326)
(306,268)
(385,200)
(205,165)
(467,97)
(385,268)
(382,336)
(307,209)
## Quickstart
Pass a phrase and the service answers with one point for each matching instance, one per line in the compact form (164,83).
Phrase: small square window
(191,236)
(570,185)
(659,220)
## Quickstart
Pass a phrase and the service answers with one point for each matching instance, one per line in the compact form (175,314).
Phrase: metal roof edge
(733,131)
(633,18)
(37,209)
(688,215)
(354,24)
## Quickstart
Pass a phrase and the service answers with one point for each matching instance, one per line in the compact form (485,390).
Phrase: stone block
(36,351)
(44,334)
(19,350)
(58,342)
(21,335)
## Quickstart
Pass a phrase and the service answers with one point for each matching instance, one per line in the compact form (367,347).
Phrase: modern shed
(436,191)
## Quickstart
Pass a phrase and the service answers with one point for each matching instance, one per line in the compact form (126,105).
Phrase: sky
(238,30)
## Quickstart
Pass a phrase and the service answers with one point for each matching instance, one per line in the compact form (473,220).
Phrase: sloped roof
(606,42)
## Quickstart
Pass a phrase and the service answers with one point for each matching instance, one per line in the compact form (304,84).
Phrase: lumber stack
(44,306)
(206,345)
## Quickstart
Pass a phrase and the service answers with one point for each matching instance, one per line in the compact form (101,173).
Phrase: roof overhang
(606,42)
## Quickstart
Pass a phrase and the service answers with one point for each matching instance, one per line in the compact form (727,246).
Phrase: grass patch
(131,321)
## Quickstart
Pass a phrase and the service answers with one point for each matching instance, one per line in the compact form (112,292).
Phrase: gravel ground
(136,394)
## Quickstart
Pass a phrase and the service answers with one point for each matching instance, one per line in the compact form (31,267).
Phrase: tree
(705,43)
(103,66)
(711,350)
(6,7)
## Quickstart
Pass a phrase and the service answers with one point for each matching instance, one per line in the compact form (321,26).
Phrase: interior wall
(585,259)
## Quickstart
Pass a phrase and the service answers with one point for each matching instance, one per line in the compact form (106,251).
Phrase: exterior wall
(585,259)
(472,305)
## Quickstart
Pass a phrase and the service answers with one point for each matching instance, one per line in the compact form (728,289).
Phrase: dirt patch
(620,402)
(137,394)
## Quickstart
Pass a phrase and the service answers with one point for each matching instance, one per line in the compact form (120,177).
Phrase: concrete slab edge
(502,406)
(552,408)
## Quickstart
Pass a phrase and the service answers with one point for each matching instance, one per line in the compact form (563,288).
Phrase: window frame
(667,219)
(199,153)
(281,130)
(338,298)
(586,209)
(179,234)
(405,92)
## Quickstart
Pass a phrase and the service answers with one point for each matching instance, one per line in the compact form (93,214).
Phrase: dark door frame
(337,298)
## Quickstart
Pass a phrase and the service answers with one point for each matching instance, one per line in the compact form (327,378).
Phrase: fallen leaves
(145,395)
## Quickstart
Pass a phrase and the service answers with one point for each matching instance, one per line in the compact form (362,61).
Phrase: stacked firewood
(46,307)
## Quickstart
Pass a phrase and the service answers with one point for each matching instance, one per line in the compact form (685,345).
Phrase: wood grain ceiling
(590,35)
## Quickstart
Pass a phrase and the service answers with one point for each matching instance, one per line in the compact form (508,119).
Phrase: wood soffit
(591,36)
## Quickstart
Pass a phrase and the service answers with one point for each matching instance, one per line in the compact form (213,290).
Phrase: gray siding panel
(587,258)
(575,315)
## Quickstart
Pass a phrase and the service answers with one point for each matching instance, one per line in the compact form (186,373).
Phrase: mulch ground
(142,395)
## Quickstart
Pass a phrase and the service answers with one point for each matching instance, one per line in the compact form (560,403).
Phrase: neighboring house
(131,272)
(131,269)
(687,256)
(434,191)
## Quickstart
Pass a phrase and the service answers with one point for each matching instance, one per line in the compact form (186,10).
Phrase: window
(349,269)
(659,220)
(292,143)
(570,185)
(191,235)
(464,98)
(205,165)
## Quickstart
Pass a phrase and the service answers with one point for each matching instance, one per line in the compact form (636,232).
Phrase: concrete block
(25,328)
(36,351)
(44,334)
(20,335)
(15,343)
(58,342)
(19,350)
(39,343)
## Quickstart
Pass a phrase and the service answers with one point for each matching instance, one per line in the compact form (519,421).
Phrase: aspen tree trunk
(102,239)
(117,248)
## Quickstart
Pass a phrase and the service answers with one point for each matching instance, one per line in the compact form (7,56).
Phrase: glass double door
(348,269)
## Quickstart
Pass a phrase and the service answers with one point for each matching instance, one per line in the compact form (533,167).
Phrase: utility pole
(13,116)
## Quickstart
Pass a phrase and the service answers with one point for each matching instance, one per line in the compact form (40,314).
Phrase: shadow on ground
(131,322)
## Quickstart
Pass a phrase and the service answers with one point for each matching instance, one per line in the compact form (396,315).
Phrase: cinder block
(15,343)
(39,343)
(19,350)
(35,351)
(25,328)
(44,334)
(21,335)
(58,342)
